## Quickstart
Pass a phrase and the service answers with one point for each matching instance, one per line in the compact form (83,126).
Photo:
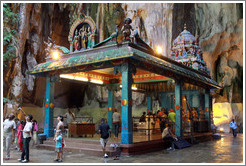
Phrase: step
(86,150)
(96,145)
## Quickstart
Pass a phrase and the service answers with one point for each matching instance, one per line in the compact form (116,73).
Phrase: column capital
(126,66)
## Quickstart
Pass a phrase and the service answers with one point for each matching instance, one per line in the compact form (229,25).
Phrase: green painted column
(110,106)
(207,107)
(149,102)
(178,106)
(126,102)
(49,107)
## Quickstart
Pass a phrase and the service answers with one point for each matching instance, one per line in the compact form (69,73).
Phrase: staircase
(89,147)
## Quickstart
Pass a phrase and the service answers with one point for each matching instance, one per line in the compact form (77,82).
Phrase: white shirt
(28,127)
(116,117)
(8,125)
(233,125)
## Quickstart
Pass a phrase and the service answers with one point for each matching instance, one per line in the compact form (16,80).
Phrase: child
(19,135)
(58,140)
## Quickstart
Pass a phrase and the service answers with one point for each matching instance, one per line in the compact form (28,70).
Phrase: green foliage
(10,26)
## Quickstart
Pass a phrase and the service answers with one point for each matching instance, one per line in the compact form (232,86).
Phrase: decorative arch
(83,19)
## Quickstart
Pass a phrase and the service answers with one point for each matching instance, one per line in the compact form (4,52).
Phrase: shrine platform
(91,145)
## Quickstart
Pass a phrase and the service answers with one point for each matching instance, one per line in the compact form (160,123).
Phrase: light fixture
(67,76)
(221,129)
(96,81)
(133,88)
(81,79)
(158,50)
(71,77)
(55,55)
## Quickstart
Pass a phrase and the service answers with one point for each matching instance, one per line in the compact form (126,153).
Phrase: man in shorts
(105,132)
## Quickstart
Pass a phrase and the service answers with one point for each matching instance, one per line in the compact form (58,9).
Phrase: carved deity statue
(89,37)
(82,35)
(76,40)
(127,28)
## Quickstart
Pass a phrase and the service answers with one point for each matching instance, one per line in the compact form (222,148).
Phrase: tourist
(35,132)
(171,117)
(105,132)
(9,127)
(59,127)
(20,135)
(163,120)
(143,117)
(27,135)
(58,150)
(17,123)
(70,116)
(149,123)
(167,135)
(60,124)
(116,125)
(233,126)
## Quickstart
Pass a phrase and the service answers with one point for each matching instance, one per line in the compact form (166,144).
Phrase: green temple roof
(138,53)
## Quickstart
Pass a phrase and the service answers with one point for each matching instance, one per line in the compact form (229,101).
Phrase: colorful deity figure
(82,33)
(194,114)
(93,35)
(76,40)
(127,28)
(89,37)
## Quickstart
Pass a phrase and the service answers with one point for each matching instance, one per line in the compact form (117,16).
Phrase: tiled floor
(225,150)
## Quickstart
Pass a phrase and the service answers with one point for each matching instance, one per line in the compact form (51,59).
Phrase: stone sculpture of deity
(127,28)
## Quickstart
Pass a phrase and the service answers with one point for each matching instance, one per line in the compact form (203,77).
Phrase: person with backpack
(9,127)
(27,135)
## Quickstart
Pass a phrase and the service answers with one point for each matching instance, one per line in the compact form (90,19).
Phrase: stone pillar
(178,106)
(207,107)
(110,106)
(126,102)
(49,107)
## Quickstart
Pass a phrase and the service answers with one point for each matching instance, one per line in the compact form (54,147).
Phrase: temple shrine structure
(182,80)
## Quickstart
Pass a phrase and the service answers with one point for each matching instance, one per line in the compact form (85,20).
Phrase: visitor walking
(167,135)
(116,125)
(9,127)
(105,132)
(233,126)
(17,123)
(20,135)
(58,150)
(27,135)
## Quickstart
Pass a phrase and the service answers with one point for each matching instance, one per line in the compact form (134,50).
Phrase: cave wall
(219,27)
